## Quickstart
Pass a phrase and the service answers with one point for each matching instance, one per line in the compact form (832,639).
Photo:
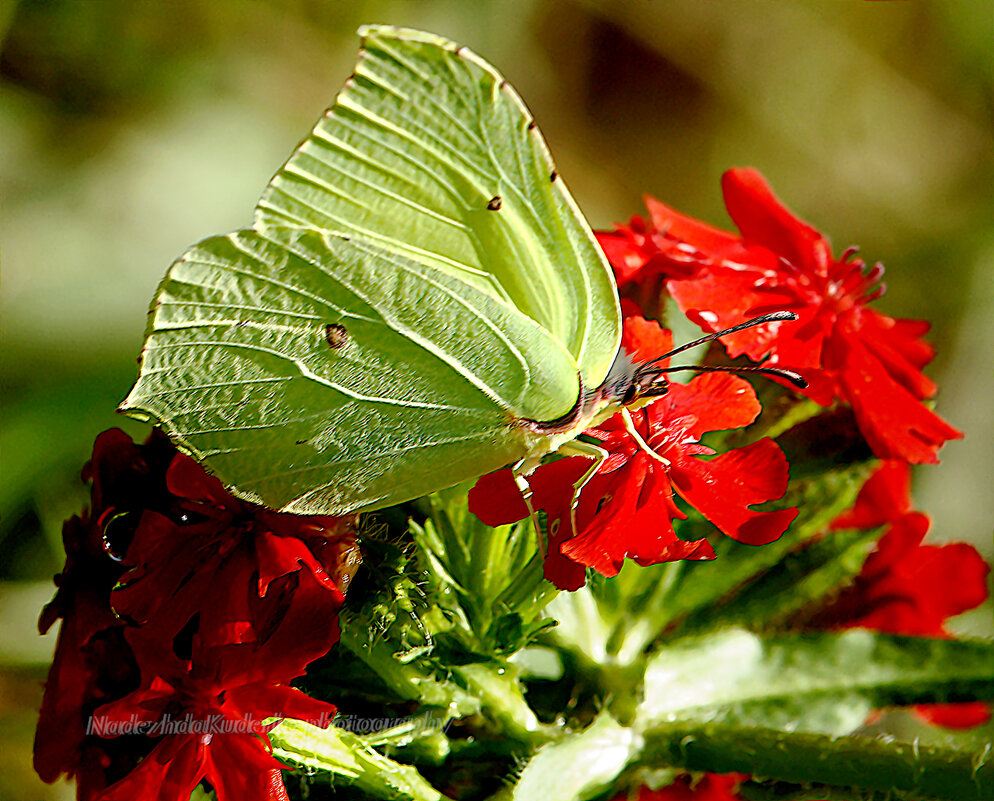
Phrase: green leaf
(820,681)
(612,621)
(489,580)
(502,701)
(810,576)
(579,766)
(351,760)
(817,766)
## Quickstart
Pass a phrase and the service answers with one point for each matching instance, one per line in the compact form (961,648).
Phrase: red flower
(626,510)
(212,554)
(209,714)
(846,350)
(225,602)
(906,587)
(93,662)
(702,787)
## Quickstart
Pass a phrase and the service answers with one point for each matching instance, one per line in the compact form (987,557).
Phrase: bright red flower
(626,510)
(846,350)
(906,587)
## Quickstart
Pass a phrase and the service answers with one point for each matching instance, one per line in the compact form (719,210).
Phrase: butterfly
(419,301)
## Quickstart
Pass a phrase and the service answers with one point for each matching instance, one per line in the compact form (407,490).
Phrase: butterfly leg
(639,440)
(593,452)
(519,471)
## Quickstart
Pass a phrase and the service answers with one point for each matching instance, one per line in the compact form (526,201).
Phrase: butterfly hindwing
(320,374)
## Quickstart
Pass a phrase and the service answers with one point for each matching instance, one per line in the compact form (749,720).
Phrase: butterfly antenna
(772,317)
(788,375)
(779,372)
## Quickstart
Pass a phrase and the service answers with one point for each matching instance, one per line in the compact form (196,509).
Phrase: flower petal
(763,219)
(723,488)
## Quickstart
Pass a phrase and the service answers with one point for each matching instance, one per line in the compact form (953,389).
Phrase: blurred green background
(131,130)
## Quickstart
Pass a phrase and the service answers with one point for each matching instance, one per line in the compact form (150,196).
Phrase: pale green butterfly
(418,302)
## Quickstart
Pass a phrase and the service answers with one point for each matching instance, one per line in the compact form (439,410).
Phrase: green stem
(894,768)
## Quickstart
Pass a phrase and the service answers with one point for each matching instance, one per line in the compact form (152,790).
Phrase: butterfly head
(634,385)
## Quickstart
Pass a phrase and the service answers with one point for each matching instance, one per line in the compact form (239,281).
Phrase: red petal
(704,787)
(643,339)
(723,488)
(723,298)
(278,556)
(552,491)
(675,225)
(263,700)
(496,500)
(894,423)
(562,571)
(625,255)
(187,479)
(763,219)
(955,716)
(173,769)
(716,401)
(242,769)
(885,496)
(909,588)
(900,356)
(602,543)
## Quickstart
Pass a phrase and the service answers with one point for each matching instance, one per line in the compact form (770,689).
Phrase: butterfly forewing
(428,153)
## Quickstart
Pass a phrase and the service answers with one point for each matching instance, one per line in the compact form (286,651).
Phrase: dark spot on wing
(335,335)
(553,176)
(494,204)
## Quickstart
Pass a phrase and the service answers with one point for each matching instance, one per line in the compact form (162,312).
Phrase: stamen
(876,293)
(875,273)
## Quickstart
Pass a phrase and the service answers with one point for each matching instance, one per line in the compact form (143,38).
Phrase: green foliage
(780,705)
(816,681)
(486,582)
(826,767)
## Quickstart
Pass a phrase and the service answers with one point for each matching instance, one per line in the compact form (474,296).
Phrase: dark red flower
(905,586)
(93,663)
(209,714)
(219,595)
(626,510)
(212,554)
(846,350)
